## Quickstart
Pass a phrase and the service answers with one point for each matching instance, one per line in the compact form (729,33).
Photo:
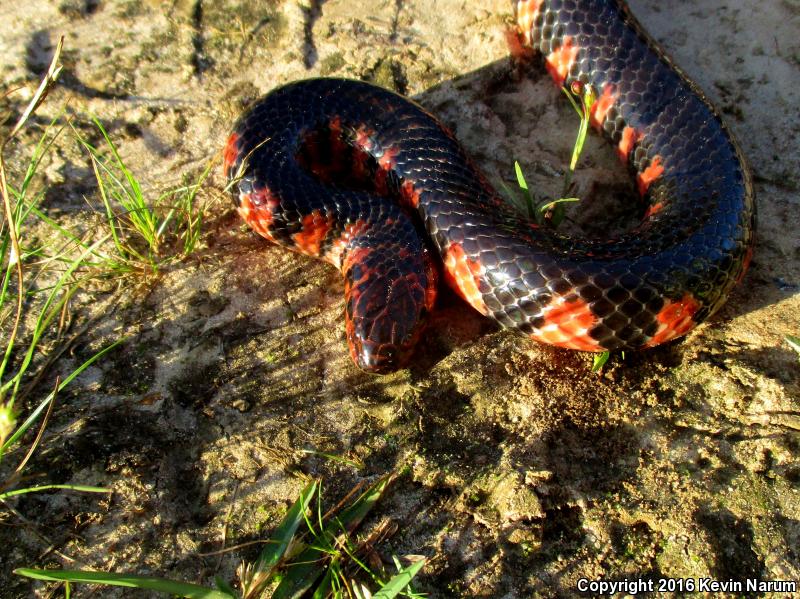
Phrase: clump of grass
(147,235)
(24,297)
(308,551)
(41,280)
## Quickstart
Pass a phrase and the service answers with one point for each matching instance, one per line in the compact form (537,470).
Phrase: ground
(521,471)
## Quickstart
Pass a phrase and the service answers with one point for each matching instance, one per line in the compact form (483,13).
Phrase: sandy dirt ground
(521,472)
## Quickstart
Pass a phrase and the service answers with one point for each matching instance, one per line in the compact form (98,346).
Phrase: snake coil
(372,183)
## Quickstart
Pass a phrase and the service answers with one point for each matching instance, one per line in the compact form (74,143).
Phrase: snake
(372,183)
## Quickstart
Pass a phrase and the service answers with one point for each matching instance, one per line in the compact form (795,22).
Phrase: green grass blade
(254,579)
(105,260)
(80,488)
(399,581)
(194,215)
(308,566)
(15,216)
(578,149)
(39,152)
(794,343)
(110,216)
(138,227)
(142,213)
(46,315)
(545,207)
(43,405)
(286,530)
(571,98)
(163,226)
(108,264)
(587,99)
(302,573)
(352,516)
(600,360)
(117,184)
(173,587)
(187,214)
(223,586)
(4,295)
(325,587)
(523,185)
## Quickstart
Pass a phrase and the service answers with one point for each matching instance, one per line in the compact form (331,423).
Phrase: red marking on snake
(352,291)
(599,110)
(410,194)
(364,146)
(676,318)
(567,323)
(745,264)
(654,209)
(364,138)
(315,228)
(516,44)
(648,175)
(256,210)
(433,280)
(463,274)
(351,230)
(335,127)
(230,153)
(527,11)
(388,160)
(560,61)
(386,163)
(355,257)
(630,137)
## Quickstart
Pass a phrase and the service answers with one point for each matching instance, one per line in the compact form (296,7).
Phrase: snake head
(388,295)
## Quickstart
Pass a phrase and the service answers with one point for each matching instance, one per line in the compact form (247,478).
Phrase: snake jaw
(378,359)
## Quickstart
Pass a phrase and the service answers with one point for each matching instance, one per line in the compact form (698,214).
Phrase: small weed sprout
(599,360)
(551,212)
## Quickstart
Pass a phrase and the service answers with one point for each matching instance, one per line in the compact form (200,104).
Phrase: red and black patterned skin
(372,183)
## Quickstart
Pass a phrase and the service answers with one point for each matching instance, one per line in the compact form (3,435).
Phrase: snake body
(372,183)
